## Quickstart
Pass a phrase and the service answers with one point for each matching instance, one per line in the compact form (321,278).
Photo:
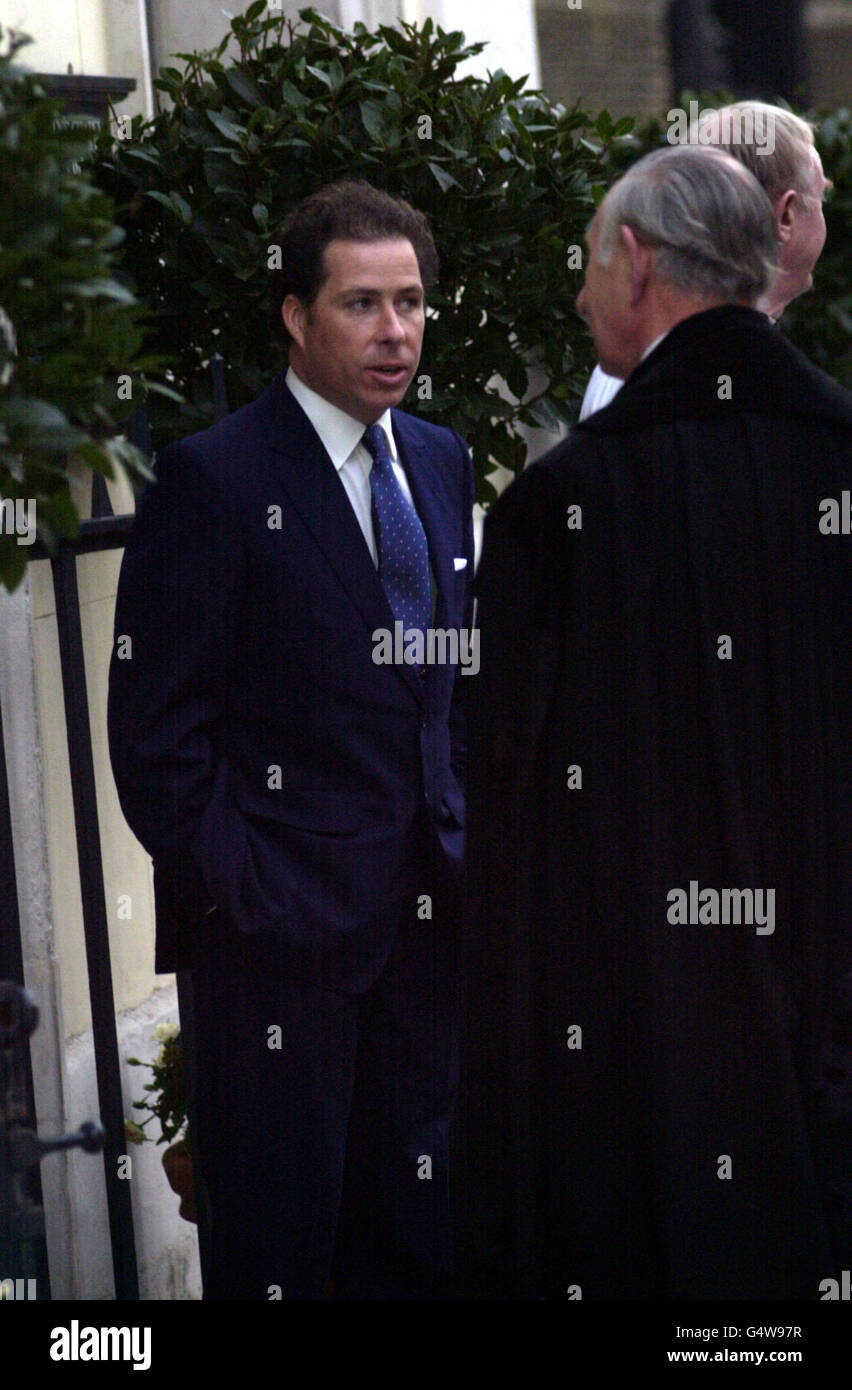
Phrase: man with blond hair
(778,148)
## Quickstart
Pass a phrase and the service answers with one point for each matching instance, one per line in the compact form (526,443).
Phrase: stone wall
(830,52)
(614,53)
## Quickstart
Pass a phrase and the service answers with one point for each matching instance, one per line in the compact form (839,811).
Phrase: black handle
(26,1149)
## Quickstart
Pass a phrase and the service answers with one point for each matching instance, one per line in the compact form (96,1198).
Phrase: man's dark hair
(351,210)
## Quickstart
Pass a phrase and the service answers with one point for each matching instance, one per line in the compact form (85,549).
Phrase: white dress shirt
(340,436)
(603,388)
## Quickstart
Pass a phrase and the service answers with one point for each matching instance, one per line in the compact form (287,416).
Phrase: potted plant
(166,1099)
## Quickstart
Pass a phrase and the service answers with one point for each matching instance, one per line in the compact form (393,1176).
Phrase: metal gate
(22,1240)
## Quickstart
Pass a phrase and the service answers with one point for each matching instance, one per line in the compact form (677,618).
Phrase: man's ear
(640,260)
(784,215)
(294,313)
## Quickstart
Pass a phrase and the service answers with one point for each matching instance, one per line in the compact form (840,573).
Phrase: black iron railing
(103,531)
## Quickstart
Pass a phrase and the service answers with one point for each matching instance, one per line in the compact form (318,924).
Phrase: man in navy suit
(300,794)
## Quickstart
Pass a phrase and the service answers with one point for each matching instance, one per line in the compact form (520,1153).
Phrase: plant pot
(177,1161)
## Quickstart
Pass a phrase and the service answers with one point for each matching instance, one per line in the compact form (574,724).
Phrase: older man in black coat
(659,944)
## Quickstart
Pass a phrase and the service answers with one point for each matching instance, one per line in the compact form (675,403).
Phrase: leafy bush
(507,178)
(68,327)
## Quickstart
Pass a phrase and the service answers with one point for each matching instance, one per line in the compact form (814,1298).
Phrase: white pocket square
(459,562)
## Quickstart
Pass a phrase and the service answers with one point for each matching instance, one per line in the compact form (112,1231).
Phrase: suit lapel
(318,496)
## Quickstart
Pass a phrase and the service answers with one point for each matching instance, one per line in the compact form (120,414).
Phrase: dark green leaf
(244,87)
(225,127)
(444,179)
(371,116)
(320,74)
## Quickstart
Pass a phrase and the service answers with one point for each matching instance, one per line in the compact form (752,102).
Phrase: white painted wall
(127,869)
(99,38)
(509,29)
(54,953)
(68,32)
(25,768)
(166,1245)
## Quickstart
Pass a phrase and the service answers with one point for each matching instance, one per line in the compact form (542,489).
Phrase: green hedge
(68,328)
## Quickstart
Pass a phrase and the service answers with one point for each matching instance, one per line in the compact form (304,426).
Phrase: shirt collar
(339,433)
(650,348)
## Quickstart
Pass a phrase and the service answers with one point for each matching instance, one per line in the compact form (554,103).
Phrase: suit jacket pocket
(312,809)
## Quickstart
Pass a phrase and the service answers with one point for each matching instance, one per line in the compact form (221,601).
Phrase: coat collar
(680,379)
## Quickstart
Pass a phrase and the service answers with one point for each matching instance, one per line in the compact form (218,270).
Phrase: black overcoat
(655,1107)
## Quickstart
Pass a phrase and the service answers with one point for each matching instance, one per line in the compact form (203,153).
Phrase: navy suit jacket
(274,771)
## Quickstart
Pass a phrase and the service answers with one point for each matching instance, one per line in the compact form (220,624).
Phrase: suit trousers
(323,1118)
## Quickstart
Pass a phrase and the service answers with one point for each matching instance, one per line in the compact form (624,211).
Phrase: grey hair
(772,143)
(711,222)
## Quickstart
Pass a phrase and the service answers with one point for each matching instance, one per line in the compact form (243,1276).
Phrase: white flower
(164,1032)
(7,332)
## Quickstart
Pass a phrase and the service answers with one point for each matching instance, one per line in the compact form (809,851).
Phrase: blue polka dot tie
(400,539)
